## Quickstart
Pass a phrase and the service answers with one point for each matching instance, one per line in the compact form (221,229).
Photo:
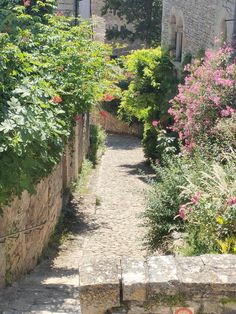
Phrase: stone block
(134,279)
(99,286)
(162,276)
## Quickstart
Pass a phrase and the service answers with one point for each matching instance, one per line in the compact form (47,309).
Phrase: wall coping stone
(201,280)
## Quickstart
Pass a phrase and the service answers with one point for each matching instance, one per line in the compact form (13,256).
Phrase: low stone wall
(27,223)
(160,285)
(111,124)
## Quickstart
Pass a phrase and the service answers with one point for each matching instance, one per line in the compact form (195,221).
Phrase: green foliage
(145,16)
(197,197)
(49,74)
(163,202)
(210,209)
(82,183)
(195,192)
(97,143)
(153,83)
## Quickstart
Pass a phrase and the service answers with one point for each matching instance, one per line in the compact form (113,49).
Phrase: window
(176,38)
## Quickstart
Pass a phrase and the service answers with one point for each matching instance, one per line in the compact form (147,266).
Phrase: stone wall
(197,21)
(112,124)
(68,8)
(160,285)
(28,221)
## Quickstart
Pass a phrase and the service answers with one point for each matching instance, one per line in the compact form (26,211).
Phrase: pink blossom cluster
(207,95)
(231,201)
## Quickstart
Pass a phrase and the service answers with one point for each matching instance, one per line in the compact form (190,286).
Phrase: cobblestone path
(106,224)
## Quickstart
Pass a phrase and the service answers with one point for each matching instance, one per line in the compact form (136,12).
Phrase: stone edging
(159,285)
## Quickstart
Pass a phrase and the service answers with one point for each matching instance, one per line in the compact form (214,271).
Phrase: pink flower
(227,112)
(182,212)
(231,201)
(196,197)
(26,3)
(155,123)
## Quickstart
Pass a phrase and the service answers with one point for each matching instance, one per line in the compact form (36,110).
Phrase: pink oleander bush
(194,193)
(206,97)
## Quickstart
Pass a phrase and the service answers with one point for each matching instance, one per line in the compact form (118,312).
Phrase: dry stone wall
(201,21)
(112,124)
(160,285)
(28,222)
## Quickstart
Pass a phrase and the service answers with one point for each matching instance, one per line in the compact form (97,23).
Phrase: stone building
(75,7)
(191,25)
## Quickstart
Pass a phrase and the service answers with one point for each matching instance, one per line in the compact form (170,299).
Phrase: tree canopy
(144,15)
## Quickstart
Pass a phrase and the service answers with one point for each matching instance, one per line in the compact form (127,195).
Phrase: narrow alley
(107,224)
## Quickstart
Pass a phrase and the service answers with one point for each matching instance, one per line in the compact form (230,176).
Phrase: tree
(145,16)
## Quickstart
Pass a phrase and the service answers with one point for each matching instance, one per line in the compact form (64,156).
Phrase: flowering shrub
(210,211)
(207,96)
(49,74)
(196,197)
(163,202)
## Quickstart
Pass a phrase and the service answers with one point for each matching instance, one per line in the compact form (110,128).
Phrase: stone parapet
(160,285)
(28,221)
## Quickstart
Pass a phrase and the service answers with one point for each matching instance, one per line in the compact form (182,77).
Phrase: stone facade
(68,8)
(28,222)
(193,24)
(160,285)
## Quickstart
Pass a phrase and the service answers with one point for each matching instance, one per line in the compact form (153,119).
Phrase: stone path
(106,224)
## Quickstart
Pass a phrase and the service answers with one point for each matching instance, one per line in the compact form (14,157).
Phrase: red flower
(56,99)
(104,114)
(107,97)
(78,118)
(26,3)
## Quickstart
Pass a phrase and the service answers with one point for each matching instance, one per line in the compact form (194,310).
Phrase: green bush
(97,143)
(49,74)
(152,84)
(197,197)
(163,202)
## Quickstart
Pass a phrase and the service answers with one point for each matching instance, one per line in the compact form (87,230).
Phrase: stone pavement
(106,224)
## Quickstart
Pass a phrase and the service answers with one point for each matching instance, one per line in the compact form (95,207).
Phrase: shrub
(97,143)
(50,73)
(163,202)
(207,97)
(152,85)
(210,210)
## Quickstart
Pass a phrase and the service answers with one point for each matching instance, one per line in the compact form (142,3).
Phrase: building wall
(68,8)
(200,21)
(28,221)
